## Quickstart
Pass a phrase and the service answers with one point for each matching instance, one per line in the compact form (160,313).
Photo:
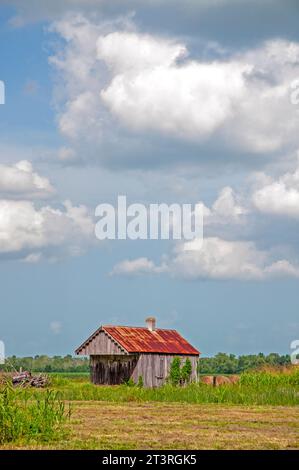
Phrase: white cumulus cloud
(19,180)
(151,90)
(137,267)
(223,259)
(26,231)
(216,259)
(278,196)
(117,80)
(227,209)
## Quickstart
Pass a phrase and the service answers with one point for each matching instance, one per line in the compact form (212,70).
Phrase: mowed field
(102,425)
(184,426)
(260,412)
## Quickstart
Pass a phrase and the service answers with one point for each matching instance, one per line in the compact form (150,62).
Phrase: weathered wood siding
(153,368)
(112,369)
(101,344)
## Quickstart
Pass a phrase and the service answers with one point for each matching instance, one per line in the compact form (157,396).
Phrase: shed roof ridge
(141,327)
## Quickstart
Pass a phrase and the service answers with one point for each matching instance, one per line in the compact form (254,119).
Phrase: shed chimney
(151,323)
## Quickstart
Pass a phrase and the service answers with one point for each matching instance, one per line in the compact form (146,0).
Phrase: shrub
(175,371)
(186,371)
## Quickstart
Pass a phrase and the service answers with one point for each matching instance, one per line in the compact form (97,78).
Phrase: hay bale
(207,379)
(221,380)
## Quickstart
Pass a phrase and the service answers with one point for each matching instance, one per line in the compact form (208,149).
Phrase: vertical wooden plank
(102,344)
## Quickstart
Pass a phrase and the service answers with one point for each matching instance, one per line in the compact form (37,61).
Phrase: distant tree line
(221,363)
(230,364)
(45,363)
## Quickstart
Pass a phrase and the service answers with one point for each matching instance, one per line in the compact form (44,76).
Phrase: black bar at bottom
(136,459)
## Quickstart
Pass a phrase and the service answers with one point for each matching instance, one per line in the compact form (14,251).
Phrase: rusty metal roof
(142,340)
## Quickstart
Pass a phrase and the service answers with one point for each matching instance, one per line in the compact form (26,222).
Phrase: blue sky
(162,105)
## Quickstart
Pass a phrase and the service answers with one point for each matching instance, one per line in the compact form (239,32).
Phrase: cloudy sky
(162,102)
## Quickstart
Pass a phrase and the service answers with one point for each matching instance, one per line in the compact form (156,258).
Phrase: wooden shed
(120,353)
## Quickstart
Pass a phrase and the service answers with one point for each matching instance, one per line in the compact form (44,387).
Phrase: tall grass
(271,377)
(254,388)
(38,412)
(24,417)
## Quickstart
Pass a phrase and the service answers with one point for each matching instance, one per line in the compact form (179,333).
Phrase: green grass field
(259,412)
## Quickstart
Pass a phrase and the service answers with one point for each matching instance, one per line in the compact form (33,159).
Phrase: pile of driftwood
(26,379)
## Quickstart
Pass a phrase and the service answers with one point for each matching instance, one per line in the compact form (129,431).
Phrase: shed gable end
(100,343)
